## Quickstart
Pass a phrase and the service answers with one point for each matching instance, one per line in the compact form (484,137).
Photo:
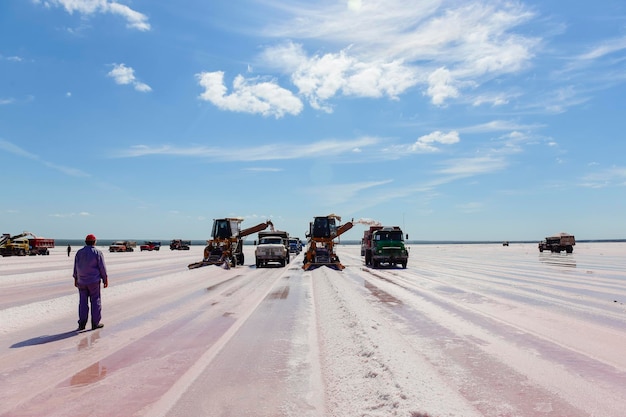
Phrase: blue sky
(462,120)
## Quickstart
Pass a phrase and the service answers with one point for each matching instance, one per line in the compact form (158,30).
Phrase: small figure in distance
(89,270)
(69,249)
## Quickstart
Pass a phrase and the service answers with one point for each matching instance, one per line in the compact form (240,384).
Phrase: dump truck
(179,244)
(226,243)
(384,245)
(150,245)
(323,231)
(25,243)
(558,243)
(273,246)
(122,246)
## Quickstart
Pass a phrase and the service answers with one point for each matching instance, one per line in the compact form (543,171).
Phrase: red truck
(22,245)
(150,246)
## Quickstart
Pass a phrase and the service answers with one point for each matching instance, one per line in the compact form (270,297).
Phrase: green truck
(384,245)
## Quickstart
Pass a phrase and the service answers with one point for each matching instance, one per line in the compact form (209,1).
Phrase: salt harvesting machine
(226,243)
(323,231)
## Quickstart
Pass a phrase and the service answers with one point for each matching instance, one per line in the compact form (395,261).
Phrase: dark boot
(96,326)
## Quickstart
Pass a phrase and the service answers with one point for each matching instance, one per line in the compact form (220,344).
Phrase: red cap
(90,238)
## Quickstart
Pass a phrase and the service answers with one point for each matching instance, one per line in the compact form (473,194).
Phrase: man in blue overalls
(89,270)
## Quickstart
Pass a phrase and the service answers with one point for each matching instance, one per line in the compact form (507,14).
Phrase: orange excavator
(226,244)
(323,231)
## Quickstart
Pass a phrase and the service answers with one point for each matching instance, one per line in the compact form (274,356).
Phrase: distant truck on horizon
(150,246)
(123,246)
(179,244)
(558,243)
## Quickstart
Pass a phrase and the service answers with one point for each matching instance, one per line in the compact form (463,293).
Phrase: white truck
(273,246)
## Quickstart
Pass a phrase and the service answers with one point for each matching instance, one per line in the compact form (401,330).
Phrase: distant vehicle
(25,243)
(150,246)
(179,244)
(505,243)
(295,245)
(123,246)
(384,245)
(273,246)
(558,243)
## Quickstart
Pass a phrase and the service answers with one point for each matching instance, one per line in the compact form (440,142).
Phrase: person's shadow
(40,340)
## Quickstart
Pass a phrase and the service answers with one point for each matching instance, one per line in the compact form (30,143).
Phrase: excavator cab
(324,227)
(225,228)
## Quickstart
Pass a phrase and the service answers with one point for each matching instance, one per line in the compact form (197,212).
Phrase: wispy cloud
(335,194)
(134,19)
(467,167)
(268,152)
(16,150)
(610,177)
(603,49)
(499,126)
(70,215)
(12,58)
(124,75)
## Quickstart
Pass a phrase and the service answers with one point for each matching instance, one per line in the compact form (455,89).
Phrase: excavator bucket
(316,257)
(309,266)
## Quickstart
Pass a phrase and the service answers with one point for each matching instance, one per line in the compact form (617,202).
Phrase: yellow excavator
(323,230)
(226,244)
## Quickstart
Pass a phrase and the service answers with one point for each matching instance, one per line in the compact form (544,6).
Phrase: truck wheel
(403,265)
(258,263)
(569,249)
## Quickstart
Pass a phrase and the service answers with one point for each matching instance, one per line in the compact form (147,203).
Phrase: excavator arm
(344,228)
(257,228)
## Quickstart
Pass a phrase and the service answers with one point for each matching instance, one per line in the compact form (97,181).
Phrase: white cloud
(248,95)
(427,143)
(441,86)
(124,75)
(387,48)
(134,19)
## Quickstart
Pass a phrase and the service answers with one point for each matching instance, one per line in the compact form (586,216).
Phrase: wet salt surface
(465,330)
